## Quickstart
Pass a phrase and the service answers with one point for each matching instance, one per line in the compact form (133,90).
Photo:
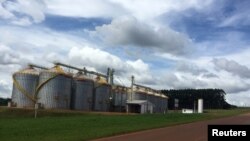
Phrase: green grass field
(20,125)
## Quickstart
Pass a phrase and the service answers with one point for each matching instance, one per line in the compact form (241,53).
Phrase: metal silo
(82,97)
(124,96)
(54,89)
(24,87)
(119,97)
(102,95)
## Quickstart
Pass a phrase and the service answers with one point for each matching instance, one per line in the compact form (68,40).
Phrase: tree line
(212,98)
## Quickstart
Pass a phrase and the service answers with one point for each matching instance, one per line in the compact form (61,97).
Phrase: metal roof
(140,102)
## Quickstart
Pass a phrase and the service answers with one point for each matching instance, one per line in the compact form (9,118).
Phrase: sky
(165,44)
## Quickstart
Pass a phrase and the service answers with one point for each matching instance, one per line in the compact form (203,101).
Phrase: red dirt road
(187,132)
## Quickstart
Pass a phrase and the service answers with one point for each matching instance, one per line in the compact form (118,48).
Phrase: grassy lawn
(19,125)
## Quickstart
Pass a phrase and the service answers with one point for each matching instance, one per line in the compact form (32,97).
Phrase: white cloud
(46,46)
(5,14)
(5,89)
(232,67)
(128,31)
(143,10)
(22,22)
(190,68)
(85,8)
(8,56)
(150,9)
(241,99)
(101,60)
(23,12)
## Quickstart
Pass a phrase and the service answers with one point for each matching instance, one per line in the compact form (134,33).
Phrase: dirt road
(187,132)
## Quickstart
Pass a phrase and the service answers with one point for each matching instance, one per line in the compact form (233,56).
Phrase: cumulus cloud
(105,8)
(210,75)
(5,14)
(129,31)
(190,68)
(22,12)
(8,56)
(232,67)
(101,60)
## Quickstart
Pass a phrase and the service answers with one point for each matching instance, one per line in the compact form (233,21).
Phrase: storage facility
(82,90)
(24,87)
(102,95)
(54,89)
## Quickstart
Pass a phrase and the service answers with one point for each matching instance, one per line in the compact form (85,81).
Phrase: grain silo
(119,97)
(24,87)
(124,96)
(102,95)
(54,89)
(82,97)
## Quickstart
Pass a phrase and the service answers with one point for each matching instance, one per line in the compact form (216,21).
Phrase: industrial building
(54,88)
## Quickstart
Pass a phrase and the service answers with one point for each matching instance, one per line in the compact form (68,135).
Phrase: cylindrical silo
(124,96)
(102,95)
(200,105)
(24,87)
(54,89)
(82,97)
(119,98)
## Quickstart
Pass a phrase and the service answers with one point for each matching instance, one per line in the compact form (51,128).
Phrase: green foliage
(19,124)
(213,98)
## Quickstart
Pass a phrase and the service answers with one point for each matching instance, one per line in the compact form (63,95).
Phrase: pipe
(84,70)
(132,84)
(37,66)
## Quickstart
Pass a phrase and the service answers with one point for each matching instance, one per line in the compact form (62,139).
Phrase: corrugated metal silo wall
(117,96)
(119,100)
(101,98)
(56,93)
(82,97)
(124,98)
(28,82)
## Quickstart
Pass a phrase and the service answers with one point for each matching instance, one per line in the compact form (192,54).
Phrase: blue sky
(165,44)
